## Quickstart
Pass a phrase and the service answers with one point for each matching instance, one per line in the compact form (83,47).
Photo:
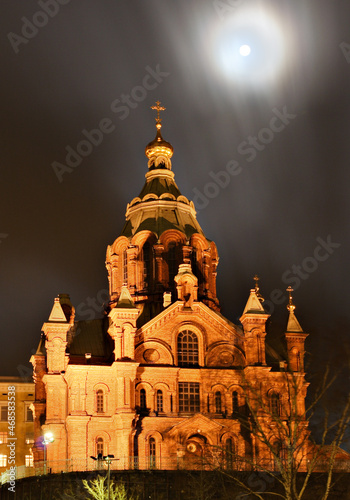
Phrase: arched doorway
(196,452)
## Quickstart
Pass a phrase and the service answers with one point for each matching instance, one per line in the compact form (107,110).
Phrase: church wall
(182,372)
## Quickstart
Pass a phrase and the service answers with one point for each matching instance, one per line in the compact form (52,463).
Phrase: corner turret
(295,338)
(254,319)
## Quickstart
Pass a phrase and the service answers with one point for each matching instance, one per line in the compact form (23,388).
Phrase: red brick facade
(164,380)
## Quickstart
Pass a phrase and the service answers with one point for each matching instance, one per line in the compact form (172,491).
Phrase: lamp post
(48,438)
(108,459)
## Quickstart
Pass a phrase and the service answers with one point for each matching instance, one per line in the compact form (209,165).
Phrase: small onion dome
(159,147)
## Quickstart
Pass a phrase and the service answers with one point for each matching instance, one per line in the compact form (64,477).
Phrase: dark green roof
(160,185)
(159,224)
(92,337)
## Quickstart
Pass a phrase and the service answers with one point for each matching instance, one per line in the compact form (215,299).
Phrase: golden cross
(158,108)
(258,294)
(256,279)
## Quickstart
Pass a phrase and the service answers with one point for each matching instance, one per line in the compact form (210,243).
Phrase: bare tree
(283,449)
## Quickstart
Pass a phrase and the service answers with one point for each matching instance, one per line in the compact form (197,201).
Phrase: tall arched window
(187,348)
(152,452)
(159,401)
(274,404)
(99,447)
(218,406)
(235,404)
(99,401)
(229,453)
(143,402)
(125,267)
(147,264)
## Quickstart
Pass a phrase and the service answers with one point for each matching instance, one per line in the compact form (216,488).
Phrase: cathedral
(164,380)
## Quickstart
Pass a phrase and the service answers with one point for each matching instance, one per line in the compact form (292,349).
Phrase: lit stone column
(206,261)
(158,250)
(132,261)
(186,254)
(113,290)
(214,274)
(123,325)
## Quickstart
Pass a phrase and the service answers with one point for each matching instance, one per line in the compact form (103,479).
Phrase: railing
(84,465)
(142,463)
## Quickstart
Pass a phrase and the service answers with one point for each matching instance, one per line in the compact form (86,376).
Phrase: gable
(198,424)
(214,325)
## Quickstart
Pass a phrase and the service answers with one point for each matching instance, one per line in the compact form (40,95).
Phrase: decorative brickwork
(164,375)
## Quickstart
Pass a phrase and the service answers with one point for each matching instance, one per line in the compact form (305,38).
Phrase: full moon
(244,50)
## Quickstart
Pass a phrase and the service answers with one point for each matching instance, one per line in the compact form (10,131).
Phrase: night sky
(277,120)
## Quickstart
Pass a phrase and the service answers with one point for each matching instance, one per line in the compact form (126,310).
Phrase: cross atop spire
(159,148)
(257,289)
(290,306)
(158,108)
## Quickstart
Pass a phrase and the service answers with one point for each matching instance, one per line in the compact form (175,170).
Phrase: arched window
(229,453)
(125,267)
(159,401)
(152,452)
(147,264)
(143,403)
(99,401)
(274,404)
(99,447)
(187,348)
(218,402)
(296,356)
(235,404)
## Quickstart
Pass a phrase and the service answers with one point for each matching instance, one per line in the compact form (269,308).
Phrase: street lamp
(108,459)
(48,438)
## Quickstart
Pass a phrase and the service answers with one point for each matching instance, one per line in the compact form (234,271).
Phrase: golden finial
(158,119)
(257,289)
(159,147)
(290,306)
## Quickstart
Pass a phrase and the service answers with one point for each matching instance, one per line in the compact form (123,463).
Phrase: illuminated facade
(16,424)
(163,380)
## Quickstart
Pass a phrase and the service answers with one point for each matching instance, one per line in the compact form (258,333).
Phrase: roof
(160,185)
(253,305)
(160,219)
(125,301)
(293,325)
(92,337)
(41,350)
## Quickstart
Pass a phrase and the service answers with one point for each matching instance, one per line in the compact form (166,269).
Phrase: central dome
(160,234)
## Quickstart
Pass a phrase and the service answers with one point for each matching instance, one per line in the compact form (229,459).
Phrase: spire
(125,300)
(159,151)
(41,350)
(57,314)
(255,299)
(293,324)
